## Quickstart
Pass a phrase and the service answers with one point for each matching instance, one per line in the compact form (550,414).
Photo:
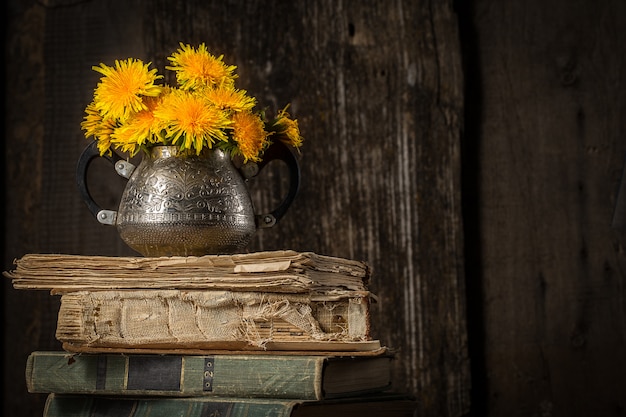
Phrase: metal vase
(179,204)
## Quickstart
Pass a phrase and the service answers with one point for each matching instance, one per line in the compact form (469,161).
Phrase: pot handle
(278,150)
(122,167)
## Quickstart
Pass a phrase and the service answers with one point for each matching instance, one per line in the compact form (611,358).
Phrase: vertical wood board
(552,150)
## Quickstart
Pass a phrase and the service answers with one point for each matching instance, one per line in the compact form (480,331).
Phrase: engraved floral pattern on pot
(183,188)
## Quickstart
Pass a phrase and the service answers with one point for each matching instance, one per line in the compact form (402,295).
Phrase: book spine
(275,376)
(93,406)
(185,318)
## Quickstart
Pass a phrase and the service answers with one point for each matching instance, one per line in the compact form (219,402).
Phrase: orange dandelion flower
(250,136)
(287,129)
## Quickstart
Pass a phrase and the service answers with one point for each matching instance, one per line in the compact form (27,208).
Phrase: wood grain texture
(26,322)
(377,89)
(551,155)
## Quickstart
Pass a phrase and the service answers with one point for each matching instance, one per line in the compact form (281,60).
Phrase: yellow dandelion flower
(191,121)
(287,129)
(91,121)
(120,90)
(140,129)
(103,136)
(249,135)
(94,125)
(197,68)
(123,139)
(231,99)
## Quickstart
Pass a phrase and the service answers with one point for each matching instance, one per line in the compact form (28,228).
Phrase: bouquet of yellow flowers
(131,111)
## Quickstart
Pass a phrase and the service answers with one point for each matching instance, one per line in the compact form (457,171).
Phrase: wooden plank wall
(377,89)
(544,157)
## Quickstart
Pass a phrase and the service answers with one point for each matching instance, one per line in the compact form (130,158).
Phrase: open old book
(275,300)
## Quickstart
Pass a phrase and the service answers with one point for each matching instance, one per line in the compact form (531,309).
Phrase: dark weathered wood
(551,151)
(378,91)
(27,323)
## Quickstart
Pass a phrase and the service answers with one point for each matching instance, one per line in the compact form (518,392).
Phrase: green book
(59,405)
(309,377)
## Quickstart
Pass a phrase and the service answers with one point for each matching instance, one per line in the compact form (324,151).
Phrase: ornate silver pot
(178,204)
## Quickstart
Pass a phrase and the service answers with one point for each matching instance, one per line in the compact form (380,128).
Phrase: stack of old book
(277,333)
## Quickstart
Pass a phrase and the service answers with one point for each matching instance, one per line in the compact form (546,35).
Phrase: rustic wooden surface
(552,144)
(378,91)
